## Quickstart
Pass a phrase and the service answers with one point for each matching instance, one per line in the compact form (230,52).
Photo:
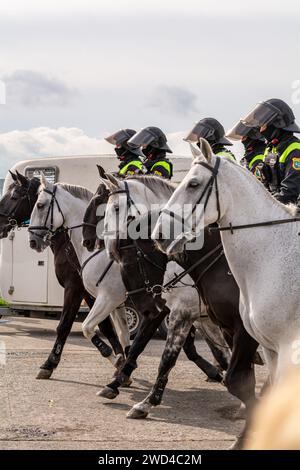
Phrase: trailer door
(25,270)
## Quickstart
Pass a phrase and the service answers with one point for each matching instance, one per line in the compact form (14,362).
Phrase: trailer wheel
(133,320)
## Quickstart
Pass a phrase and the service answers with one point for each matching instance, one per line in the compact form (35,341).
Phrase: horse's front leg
(73,295)
(120,321)
(240,377)
(148,327)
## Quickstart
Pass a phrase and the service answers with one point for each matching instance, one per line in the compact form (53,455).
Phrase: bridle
(130,201)
(50,215)
(11,216)
(50,231)
(205,194)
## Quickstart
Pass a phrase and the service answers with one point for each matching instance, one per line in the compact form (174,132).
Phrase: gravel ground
(65,413)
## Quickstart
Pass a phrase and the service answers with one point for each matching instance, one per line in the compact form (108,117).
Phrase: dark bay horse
(15,208)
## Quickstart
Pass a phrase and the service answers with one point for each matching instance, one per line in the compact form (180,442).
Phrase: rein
(269,223)
(158,289)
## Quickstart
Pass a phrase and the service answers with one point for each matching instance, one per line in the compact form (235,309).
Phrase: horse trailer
(27,278)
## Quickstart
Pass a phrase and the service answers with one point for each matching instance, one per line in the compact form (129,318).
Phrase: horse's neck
(74,210)
(247,202)
(251,202)
(142,195)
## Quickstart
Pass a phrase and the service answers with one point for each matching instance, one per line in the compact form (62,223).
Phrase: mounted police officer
(153,143)
(213,131)
(254,144)
(276,121)
(130,158)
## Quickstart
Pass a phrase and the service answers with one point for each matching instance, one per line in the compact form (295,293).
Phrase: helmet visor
(199,130)
(238,131)
(142,138)
(262,114)
(118,138)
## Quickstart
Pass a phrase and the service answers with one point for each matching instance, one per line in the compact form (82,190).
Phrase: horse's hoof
(44,374)
(136,414)
(108,392)
(215,378)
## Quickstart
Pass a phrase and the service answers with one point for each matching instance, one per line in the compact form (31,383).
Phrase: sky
(75,71)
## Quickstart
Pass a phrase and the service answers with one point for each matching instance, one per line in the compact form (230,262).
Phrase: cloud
(33,89)
(16,146)
(173,99)
(46,142)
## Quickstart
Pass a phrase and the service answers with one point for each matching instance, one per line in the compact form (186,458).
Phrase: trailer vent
(51,173)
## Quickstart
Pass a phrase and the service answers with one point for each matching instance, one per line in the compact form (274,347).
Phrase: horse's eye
(193,184)
(40,205)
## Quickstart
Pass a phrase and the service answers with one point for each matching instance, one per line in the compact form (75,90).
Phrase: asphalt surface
(65,413)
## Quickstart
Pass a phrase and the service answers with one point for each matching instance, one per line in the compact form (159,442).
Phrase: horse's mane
(155,183)
(291,209)
(77,191)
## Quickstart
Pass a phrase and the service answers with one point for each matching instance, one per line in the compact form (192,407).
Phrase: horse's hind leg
(191,352)
(214,338)
(240,377)
(179,333)
(73,296)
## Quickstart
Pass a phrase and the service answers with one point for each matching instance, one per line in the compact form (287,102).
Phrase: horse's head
(47,215)
(94,215)
(116,215)
(194,204)
(17,203)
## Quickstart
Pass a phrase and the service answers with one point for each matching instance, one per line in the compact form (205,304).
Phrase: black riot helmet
(120,140)
(209,129)
(241,132)
(273,112)
(152,137)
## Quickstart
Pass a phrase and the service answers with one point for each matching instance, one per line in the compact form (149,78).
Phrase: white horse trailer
(27,278)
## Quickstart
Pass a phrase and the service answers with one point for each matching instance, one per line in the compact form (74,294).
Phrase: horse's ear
(14,177)
(196,152)
(206,149)
(22,179)
(43,180)
(112,179)
(101,170)
(110,186)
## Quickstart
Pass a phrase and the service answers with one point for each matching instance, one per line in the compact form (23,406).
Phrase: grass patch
(3,303)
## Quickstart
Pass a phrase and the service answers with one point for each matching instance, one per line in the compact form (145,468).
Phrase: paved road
(65,413)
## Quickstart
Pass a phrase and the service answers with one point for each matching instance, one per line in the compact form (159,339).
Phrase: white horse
(264,259)
(63,206)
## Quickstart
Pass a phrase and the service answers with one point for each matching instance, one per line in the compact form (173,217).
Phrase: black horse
(210,271)
(15,209)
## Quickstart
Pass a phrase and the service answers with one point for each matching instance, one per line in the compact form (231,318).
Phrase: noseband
(206,193)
